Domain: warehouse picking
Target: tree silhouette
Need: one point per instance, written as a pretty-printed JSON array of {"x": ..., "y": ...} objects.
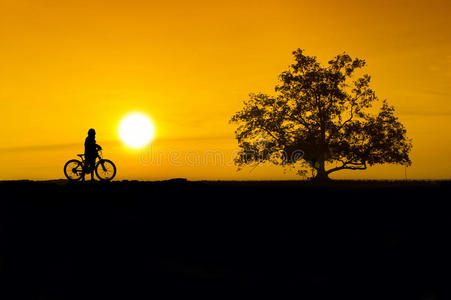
[{"x": 321, "y": 118}]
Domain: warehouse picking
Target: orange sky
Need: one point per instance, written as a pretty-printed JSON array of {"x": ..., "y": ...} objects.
[{"x": 66, "y": 66}]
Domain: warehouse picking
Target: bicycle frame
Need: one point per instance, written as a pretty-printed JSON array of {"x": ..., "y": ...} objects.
[{"x": 83, "y": 161}]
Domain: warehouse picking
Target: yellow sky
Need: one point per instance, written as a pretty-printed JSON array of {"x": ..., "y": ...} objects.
[{"x": 66, "y": 66}]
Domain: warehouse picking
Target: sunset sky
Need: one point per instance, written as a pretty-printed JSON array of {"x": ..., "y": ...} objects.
[{"x": 67, "y": 66}]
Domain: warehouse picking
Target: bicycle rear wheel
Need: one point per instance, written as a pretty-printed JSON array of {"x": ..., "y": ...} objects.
[
  {"x": 73, "y": 170},
  {"x": 105, "y": 170}
]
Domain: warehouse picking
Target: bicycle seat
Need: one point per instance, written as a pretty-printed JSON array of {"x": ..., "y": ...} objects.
[{"x": 81, "y": 155}]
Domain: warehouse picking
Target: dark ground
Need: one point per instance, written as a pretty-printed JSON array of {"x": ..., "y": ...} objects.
[{"x": 283, "y": 240}]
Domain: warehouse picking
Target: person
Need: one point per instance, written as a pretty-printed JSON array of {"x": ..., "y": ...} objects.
[{"x": 91, "y": 149}]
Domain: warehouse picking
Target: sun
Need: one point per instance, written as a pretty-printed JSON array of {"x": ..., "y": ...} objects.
[{"x": 136, "y": 130}]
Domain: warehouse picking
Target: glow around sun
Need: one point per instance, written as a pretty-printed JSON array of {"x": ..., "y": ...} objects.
[{"x": 136, "y": 130}]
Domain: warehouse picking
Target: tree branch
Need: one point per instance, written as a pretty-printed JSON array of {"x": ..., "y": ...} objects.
[
  {"x": 352, "y": 112},
  {"x": 302, "y": 121},
  {"x": 270, "y": 133},
  {"x": 345, "y": 166}
]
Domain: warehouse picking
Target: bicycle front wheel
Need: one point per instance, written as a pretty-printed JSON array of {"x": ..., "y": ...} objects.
[
  {"x": 105, "y": 170},
  {"x": 73, "y": 170}
]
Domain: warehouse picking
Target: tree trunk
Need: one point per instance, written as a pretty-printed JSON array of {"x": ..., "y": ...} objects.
[{"x": 321, "y": 174}]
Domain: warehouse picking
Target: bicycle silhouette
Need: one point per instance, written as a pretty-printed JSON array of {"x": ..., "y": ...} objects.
[{"x": 75, "y": 169}]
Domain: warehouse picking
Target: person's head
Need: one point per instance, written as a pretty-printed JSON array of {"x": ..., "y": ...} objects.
[{"x": 92, "y": 132}]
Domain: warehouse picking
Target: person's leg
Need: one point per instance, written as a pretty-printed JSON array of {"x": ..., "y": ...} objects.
[{"x": 92, "y": 164}]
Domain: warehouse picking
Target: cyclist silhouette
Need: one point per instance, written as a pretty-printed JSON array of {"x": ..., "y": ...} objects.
[
  {"x": 104, "y": 169},
  {"x": 91, "y": 149}
]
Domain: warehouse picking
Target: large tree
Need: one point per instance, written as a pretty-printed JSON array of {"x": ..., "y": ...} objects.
[{"x": 322, "y": 118}]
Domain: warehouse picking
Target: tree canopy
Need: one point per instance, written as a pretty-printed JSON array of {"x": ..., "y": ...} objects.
[{"x": 321, "y": 118}]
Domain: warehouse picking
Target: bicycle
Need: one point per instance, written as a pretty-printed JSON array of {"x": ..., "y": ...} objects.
[{"x": 76, "y": 170}]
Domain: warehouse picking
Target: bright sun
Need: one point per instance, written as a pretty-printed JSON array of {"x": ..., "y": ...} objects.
[{"x": 136, "y": 130}]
